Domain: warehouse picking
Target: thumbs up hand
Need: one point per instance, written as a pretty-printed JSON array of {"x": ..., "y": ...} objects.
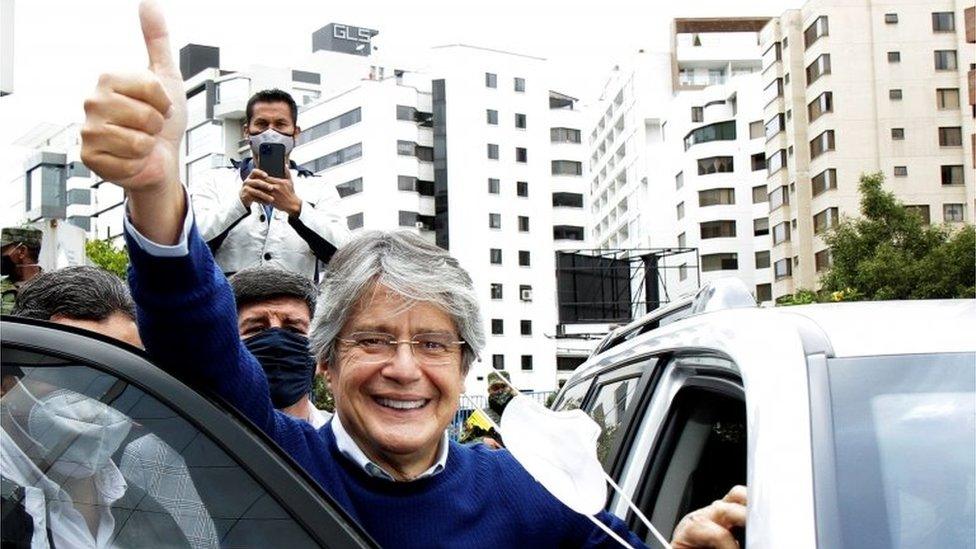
[{"x": 134, "y": 124}]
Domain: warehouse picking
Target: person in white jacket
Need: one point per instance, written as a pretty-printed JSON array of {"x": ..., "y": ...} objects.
[{"x": 249, "y": 218}]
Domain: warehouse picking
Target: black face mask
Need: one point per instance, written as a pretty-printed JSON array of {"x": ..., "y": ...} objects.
[
  {"x": 8, "y": 268},
  {"x": 498, "y": 401},
  {"x": 286, "y": 362}
]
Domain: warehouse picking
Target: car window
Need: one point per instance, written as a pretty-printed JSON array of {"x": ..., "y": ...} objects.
[
  {"x": 572, "y": 397},
  {"x": 608, "y": 407},
  {"x": 89, "y": 459}
]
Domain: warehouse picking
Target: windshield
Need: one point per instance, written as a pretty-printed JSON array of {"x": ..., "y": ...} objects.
[{"x": 904, "y": 450}]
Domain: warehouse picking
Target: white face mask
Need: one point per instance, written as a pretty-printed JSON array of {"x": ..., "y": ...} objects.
[
  {"x": 87, "y": 431},
  {"x": 271, "y": 136}
]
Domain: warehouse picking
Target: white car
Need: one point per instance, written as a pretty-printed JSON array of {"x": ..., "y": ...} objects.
[{"x": 853, "y": 424}]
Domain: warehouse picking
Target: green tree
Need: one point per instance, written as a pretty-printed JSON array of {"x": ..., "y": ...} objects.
[
  {"x": 891, "y": 253},
  {"x": 321, "y": 395},
  {"x": 103, "y": 254}
]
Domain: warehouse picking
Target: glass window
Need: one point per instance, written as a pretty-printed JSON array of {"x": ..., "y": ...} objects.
[
  {"x": 423, "y": 153},
  {"x": 204, "y": 139},
  {"x": 891, "y": 18},
  {"x": 525, "y": 258},
  {"x": 679, "y": 180},
  {"x": 952, "y": 212},
  {"x": 952, "y": 175},
  {"x": 715, "y": 197},
  {"x": 922, "y": 211},
  {"x": 781, "y": 233},
  {"x": 762, "y": 259},
  {"x": 526, "y": 362},
  {"x": 351, "y": 187},
  {"x": 824, "y": 220},
  {"x": 355, "y": 221},
  {"x": 824, "y": 103},
  {"x": 772, "y": 54},
  {"x": 773, "y": 91},
  {"x": 521, "y": 154},
  {"x": 162, "y": 482},
  {"x": 341, "y": 156},
  {"x": 894, "y": 57},
  {"x": 782, "y": 269},
  {"x": 567, "y": 167},
  {"x": 497, "y": 326},
  {"x": 332, "y": 125},
  {"x": 901, "y": 171},
  {"x": 494, "y": 186},
  {"x": 719, "y": 262},
  {"x": 950, "y": 136},
  {"x": 943, "y": 21},
  {"x": 407, "y": 219},
  {"x": 682, "y": 240},
  {"x": 776, "y": 162},
  {"x": 715, "y": 164},
  {"x": 523, "y": 223},
  {"x": 697, "y": 114},
  {"x": 564, "y": 135},
  {"x": 815, "y": 31},
  {"x": 756, "y": 129},
  {"x": 492, "y": 116},
  {"x": 759, "y": 194},
  {"x": 567, "y": 232},
  {"x": 945, "y": 60},
  {"x": 778, "y": 198},
  {"x": 821, "y": 144},
  {"x": 491, "y": 80},
  {"x": 406, "y": 183},
  {"x": 608, "y": 407},
  {"x": 572, "y": 397},
  {"x": 498, "y": 362},
  {"x": 519, "y": 84},
  {"x": 496, "y": 290},
  {"x": 821, "y": 260},
  {"x": 683, "y": 271},
  {"x": 492, "y": 151},
  {"x": 764, "y": 292},
  {"x": 495, "y": 256},
  {"x": 720, "y": 131},
  {"x": 947, "y": 98},
  {"x": 723, "y": 228},
  {"x": 567, "y": 200},
  {"x": 522, "y": 188},
  {"x": 898, "y": 134},
  {"x": 894, "y": 94},
  {"x": 824, "y": 181},
  {"x": 520, "y": 121},
  {"x": 405, "y": 148},
  {"x": 525, "y": 327},
  {"x": 760, "y": 226},
  {"x": 758, "y": 162},
  {"x": 818, "y": 68},
  {"x": 494, "y": 221},
  {"x": 404, "y": 112},
  {"x": 680, "y": 210}
]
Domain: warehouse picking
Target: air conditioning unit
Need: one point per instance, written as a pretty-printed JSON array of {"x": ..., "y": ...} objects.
[
  {"x": 419, "y": 225},
  {"x": 526, "y": 295}
]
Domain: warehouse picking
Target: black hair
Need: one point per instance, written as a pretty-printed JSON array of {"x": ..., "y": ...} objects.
[
  {"x": 262, "y": 283},
  {"x": 81, "y": 292},
  {"x": 273, "y": 95}
]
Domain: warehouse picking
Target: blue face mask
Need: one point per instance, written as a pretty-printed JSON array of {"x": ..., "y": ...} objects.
[{"x": 287, "y": 363}]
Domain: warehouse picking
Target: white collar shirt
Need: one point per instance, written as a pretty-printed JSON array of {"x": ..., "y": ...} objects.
[{"x": 348, "y": 448}]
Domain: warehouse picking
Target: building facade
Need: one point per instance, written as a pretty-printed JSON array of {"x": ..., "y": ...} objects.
[{"x": 858, "y": 87}]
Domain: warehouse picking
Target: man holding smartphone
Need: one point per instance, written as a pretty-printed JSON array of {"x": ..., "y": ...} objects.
[{"x": 265, "y": 210}]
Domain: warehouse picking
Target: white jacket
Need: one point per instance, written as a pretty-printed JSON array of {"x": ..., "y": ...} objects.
[{"x": 243, "y": 238}]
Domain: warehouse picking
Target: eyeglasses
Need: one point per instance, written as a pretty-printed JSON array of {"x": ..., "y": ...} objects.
[{"x": 432, "y": 348}]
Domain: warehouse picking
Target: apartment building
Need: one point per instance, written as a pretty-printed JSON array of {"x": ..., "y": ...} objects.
[
  {"x": 675, "y": 155},
  {"x": 858, "y": 87}
]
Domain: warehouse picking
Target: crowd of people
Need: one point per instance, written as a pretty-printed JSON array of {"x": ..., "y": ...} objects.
[{"x": 225, "y": 271}]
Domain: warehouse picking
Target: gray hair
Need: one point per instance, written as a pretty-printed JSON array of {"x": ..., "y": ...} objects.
[
  {"x": 407, "y": 265},
  {"x": 262, "y": 283},
  {"x": 81, "y": 292}
]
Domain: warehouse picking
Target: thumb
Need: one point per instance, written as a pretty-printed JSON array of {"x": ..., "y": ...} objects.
[{"x": 156, "y": 36}]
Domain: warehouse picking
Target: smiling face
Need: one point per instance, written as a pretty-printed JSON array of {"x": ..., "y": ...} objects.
[{"x": 396, "y": 410}]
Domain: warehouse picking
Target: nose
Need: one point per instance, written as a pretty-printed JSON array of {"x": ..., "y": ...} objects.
[{"x": 403, "y": 366}]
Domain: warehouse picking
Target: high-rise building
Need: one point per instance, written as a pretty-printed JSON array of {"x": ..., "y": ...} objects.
[{"x": 858, "y": 87}]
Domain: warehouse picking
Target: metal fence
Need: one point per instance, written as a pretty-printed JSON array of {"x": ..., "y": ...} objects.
[{"x": 470, "y": 403}]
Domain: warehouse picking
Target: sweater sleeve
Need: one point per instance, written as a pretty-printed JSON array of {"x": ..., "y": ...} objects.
[{"x": 188, "y": 322}]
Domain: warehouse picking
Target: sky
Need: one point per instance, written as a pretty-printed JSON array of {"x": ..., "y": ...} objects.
[{"x": 61, "y": 46}]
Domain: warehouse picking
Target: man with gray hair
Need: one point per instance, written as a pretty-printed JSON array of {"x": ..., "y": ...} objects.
[{"x": 274, "y": 311}]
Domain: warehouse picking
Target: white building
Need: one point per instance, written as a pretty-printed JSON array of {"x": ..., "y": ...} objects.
[{"x": 859, "y": 87}]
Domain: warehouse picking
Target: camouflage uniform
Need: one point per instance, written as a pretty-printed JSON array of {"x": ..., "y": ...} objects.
[{"x": 15, "y": 235}]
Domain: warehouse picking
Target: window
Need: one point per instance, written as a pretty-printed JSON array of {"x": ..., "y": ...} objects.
[
  {"x": 523, "y": 223},
  {"x": 525, "y": 292},
  {"x": 491, "y": 80},
  {"x": 759, "y": 194},
  {"x": 567, "y": 232},
  {"x": 520, "y": 121},
  {"x": 564, "y": 135},
  {"x": 525, "y": 327},
  {"x": 498, "y": 362},
  {"x": 697, "y": 114},
  {"x": 821, "y": 144},
  {"x": 776, "y": 162},
  {"x": 682, "y": 240},
  {"x": 950, "y": 136},
  {"x": 175, "y": 482},
  {"x": 821, "y": 260},
  {"x": 354, "y": 186},
  {"x": 947, "y": 99},
  {"x": 945, "y": 60},
  {"x": 943, "y": 21},
  {"x": 519, "y": 84},
  {"x": 715, "y": 164},
  {"x": 952, "y": 213},
  {"x": 778, "y": 198},
  {"x": 762, "y": 260},
  {"x": 405, "y": 148},
  {"x": 827, "y": 219},
  {"x": 494, "y": 221},
  {"x": 404, "y": 112},
  {"x": 521, "y": 154},
  {"x": 952, "y": 175},
  {"x": 815, "y": 31},
  {"x": 716, "y": 197},
  {"x": 764, "y": 292},
  {"x": 495, "y": 256},
  {"x": 818, "y": 68},
  {"x": 894, "y": 94},
  {"x": 496, "y": 290},
  {"x": 526, "y": 362},
  {"x": 680, "y": 210},
  {"x": 824, "y": 181},
  {"x": 567, "y": 167},
  {"x": 335, "y": 158},
  {"x": 494, "y": 186},
  {"x": 344, "y": 120},
  {"x": 492, "y": 151},
  {"x": 901, "y": 171},
  {"x": 719, "y": 262},
  {"x": 782, "y": 269},
  {"x": 894, "y": 57},
  {"x": 891, "y": 18},
  {"x": 679, "y": 180},
  {"x": 407, "y": 219},
  {"x": 772, "y": 54},
  {"x": 492, "y": 116},
  {"x": 497, "y": 326},
  {"x": 423, "y": 153},
  {"x": 760, "y": 226},
  {"x": 522, "y": 188},
  {"x": 525, "y": 258},
  {"x": 355, "y": 221},
  {"x": 773, "y": 91},
  {"x": 406, "y": 183},
  {"x": 824, "y": 103},
  {"x": 567, "y": 200},
  {"x": 724, "y": 228},
  {"x": 898, "y": 134},
  {"x": 781, "y": 233},
  {"x": 922, "y": 211},
  {"x": 775, "y": 125},
  {"x": 683, "y": 271},
  {"x": 756, "y": 129},
  {"x": 720, "y": 131}
]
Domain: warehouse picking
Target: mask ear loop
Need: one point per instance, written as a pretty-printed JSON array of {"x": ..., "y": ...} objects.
[{"x": 630, "y": 503}]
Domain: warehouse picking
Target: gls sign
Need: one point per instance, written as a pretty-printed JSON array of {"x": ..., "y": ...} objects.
[{"x": 356, "y": 34}]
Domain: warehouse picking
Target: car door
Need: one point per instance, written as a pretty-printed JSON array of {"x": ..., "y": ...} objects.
[{"x": 180, "y": 471}]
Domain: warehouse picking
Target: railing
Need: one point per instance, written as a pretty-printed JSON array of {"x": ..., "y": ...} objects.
[{"x": 470, "y": 403}]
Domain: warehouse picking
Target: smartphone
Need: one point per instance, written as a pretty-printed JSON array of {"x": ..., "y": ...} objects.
[{"x": 271, "y": 159}]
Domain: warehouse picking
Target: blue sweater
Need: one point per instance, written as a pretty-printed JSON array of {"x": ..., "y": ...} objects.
[{"x": 483, "y": 498}]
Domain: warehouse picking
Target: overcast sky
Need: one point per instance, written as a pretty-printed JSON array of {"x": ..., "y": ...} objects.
[{"x": 61, "y": 46}]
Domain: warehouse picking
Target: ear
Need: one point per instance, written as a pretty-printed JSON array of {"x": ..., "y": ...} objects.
[{"x": 298, "y": 131}]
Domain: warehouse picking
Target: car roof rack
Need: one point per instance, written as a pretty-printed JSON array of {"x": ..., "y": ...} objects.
[{"x": 722, "y": 294}]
